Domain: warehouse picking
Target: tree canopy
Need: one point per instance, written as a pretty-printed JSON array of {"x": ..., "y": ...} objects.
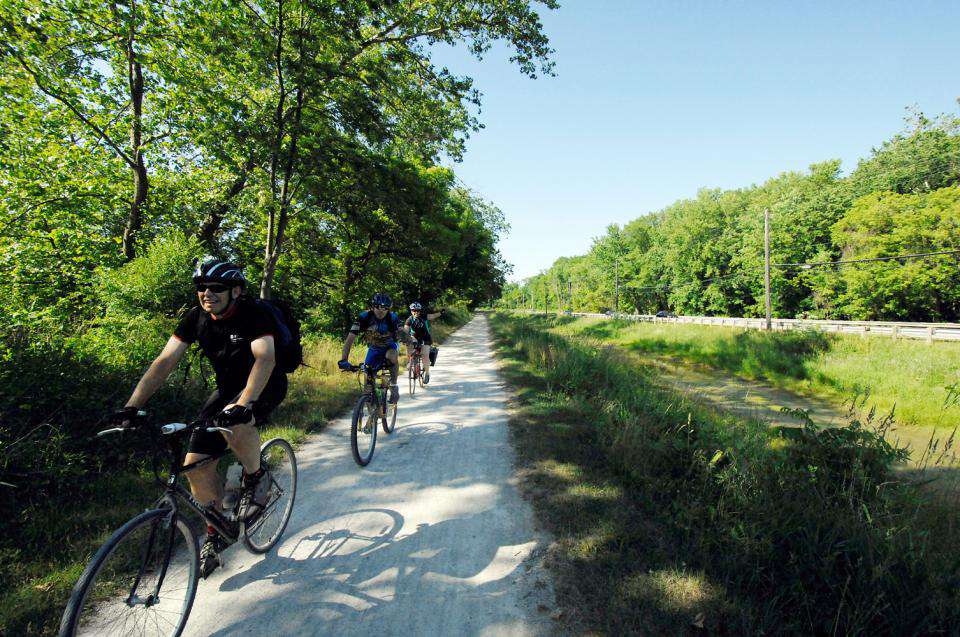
[{"x": 705, "y": 255}]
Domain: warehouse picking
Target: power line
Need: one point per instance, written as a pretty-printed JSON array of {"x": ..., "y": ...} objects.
[{"x": 918, "y": 255}]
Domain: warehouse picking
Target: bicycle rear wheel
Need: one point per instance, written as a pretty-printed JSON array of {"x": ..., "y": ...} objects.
[
  {"x": 363, "y": 429},
  {"x": 260, "y": 535},
  {"x": 141, "y": 582}
]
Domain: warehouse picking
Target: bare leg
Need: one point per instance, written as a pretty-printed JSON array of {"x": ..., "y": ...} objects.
[
  {"x": 245, "y": 443},
  {"x": 394, "y": 360},
  {"x": 426, "y": 359},
  {"x": 205, "y": 482}
]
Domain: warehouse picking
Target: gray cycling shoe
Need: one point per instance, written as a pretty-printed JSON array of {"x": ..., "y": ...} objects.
[
  {"x": 210, "y": 554},
  {"x": 256, "y": 495},
  {"x": 426, "y": 379},
  {"x": 394, "y": 394}
]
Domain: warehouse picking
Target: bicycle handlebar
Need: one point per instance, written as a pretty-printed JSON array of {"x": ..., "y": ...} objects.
[{"x": 168, "y": 429}]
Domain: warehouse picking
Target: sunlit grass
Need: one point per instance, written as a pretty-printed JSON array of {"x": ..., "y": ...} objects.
[{"x": 912, "y": 377}]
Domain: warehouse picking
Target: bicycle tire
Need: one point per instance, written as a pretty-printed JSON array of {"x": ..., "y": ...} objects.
[
  {"x": 390, "y": 417},
  {"x": 74, "y": 620},
  {"x": 360, "y": 415},
  {"x": 281, "y": 463},
  {"x": 412, "y": 377}
]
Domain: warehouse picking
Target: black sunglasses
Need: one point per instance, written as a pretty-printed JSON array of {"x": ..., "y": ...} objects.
[
  {"x": 381, "y": 307},
  {"x": 216, "y": 288}
]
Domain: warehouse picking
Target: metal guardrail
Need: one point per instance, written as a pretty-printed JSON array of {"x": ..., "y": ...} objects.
[{"x": 921, "y": 331}]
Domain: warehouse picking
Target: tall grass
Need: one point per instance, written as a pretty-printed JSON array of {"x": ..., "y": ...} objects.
[
  {"x": 919, "y": 381},
  {"x": 807, "y": 534}
]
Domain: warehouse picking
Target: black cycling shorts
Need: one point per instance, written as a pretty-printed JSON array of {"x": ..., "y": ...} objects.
[
  {"x": 213, "y": 442},
  {"x": 424, "y": 339}
]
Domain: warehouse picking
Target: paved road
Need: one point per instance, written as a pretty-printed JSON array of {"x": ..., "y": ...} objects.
[{"x": 431, "y": 538}]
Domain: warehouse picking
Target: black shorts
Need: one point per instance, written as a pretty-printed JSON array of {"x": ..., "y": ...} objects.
[
  {"x": 213, "y": 442},
  {"x": 424, "y": 339}
]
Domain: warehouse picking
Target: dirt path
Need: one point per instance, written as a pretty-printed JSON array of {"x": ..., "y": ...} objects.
[
  {"x": 758, "y": 401},
  {"x": 432, "y": 538}
]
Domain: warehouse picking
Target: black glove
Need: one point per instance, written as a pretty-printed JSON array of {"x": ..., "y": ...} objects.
[
  {"x": 126, "y": 417},
  {"x": 236, "y": 415},
  {"x": 345, "y": 365},
  {"x": 443, "y": 311}
]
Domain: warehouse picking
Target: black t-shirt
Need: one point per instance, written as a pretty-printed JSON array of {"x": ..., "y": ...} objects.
[
  {"x": 420, "y": 327},
  {"x": 226, "y": 341}
]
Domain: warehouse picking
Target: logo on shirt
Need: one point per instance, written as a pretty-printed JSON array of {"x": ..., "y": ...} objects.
[{"x": 235, "y": 339}]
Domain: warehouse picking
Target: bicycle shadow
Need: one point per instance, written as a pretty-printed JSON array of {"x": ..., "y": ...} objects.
[{"x": 441, "y": 564}]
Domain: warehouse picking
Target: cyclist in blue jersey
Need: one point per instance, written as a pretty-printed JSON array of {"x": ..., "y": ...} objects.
[{"x": 379, "y": 327}]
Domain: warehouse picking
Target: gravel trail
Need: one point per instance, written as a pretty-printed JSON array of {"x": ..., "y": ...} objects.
[{"x": 431, "y": 538}]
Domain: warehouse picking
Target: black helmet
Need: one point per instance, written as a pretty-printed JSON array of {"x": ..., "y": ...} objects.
[
  {"x": 381, "y": 299},
  {"x": 215, "y": 270}
]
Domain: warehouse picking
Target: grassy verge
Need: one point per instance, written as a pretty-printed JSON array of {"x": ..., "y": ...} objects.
[
  {"x": 920, "y": 381},
  {"x": 672, "y": 519},
  {"x": 56, "y": 543}
]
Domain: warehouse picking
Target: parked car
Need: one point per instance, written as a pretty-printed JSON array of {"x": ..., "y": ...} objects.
[{"x": 666, "y": 314}]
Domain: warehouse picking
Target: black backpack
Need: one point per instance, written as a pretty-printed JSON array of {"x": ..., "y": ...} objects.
[{"x": 288, "y": 343}]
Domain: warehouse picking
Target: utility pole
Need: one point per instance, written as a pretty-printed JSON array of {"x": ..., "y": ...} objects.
[
  {"x": 570, "y": 293},
  {"x": 766, "y": 264}
]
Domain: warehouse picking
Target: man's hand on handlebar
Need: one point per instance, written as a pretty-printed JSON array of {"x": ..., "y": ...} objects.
[
  {"x": 126, "y": 417},
  {"x": 233, "y": 415},
  {"x": 345, "y": 365}
]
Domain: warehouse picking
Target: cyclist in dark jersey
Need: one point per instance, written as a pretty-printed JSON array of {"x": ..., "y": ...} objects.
[
  {"x": 379, "y": 327},
  {"x": 237, "y": 336},
  {"x": 417, "y": 326}
]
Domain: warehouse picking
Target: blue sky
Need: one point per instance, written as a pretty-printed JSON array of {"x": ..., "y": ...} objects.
[{"x": 654, "y": 100}]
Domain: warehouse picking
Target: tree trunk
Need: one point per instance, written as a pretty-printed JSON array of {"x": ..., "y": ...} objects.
[
  {"x": 210, "y": 226},
  {"x": 141, "y": 182}
]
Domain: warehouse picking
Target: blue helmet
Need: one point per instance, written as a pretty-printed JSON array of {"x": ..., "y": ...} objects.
[{"x": 381, "y": 299}]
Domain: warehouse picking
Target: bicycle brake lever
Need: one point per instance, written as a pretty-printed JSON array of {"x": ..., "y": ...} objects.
[{"x": 115, "y": 430}]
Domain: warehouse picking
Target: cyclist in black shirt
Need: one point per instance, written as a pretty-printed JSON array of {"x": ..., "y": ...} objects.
[
  {"x": 417, "y": 326},
  {"x": 237, "y": 336}
]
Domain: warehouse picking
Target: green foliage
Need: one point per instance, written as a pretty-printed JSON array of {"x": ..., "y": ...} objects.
[
  {"x": 887, "y": 224},
  {"x": 705, "y": 255},
  {"x": 158, "y": 283}
]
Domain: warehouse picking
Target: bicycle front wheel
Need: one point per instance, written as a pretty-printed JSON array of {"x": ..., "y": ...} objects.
[
  {"x": 141, "y": 582},
  {"x": 363, "y": 429},
  {"x": 390, "y": 419},
  {"x": 261, "y": 534},
  {"x": 412, "y": 377}
]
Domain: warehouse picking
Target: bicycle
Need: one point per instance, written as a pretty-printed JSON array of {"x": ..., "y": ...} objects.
[
  {"x": 415, "y": 369},
  {"x": 372, "y": 406},
  {"x": 143, "y": 580}
]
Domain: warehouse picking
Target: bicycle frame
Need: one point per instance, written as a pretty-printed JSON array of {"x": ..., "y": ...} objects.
[
  {"x": 172, "y": 489},
  {"x": 414, "y": 357},
  {"x": 374, "y": 381}
]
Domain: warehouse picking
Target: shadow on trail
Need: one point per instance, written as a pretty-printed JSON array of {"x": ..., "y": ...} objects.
[{"x": 429, "y": 539}]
